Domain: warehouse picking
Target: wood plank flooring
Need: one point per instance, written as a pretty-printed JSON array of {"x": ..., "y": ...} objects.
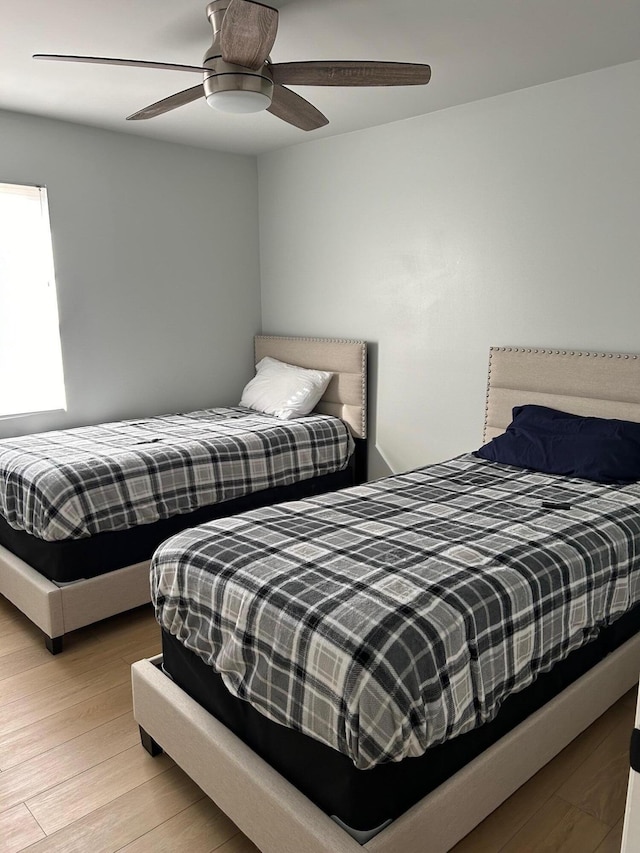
[{"x": 74, "y": 778}]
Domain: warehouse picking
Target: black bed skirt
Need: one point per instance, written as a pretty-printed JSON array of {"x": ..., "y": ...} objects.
[
  {"x": 72, "y": 559},
  {"x": 365, "y": 799}
]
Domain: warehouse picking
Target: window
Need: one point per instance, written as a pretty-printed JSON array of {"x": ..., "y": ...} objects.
[{"x": 31, "y": 377}]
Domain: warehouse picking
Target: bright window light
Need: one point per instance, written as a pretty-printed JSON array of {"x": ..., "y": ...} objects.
[{"x": 31, "y": 376}]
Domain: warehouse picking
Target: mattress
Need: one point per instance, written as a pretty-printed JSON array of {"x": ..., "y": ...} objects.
[
  {"x": 72, "y": 484},
  {"x": 387, "y": 619},
  {"x": 364, "y": 800},
  {"x": 71, "y": 560}
]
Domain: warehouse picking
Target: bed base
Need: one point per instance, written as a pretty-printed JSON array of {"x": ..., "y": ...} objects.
[
  {"x": 280, "y": 819},
  {"x": 56, "y": 610}
]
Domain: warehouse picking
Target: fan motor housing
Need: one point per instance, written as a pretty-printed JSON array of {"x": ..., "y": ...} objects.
[
  {"x": 215, "y": 14},
  {"x": 225, "y": 77}
]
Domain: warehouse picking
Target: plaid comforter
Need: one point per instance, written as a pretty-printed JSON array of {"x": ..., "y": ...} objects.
[
  {"x": 69, "y": 484},
  {"x": 390, "y": 617}
]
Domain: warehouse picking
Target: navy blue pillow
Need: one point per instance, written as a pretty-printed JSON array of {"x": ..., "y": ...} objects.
[{"x": 605, "y": 450}]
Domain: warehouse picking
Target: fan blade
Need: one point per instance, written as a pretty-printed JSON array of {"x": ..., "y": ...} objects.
[
  {"x": 351, "y": 73},
  {"x": 295, "y": 110},
  {"x": 105, "y": 60},
  {"x": 247, "y": 34},
  {"x": 170, "y": 103}
]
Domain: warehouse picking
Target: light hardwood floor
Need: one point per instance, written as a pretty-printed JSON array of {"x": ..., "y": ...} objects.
[{"x": 73, "y": 776}]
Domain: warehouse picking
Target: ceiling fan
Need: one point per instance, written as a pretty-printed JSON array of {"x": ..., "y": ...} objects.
[{"x": 239, "y": 77}]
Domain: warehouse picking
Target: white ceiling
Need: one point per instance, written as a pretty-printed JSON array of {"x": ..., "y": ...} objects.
[{"x": 476, "y": 48}]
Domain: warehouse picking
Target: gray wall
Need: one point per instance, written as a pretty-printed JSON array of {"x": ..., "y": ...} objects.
[
  {"x": 512, "y": 220},
  {"x": 157, "y": 267}
]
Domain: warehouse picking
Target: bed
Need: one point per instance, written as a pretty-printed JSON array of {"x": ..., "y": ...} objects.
[
  {"x": 282, "y": 811},
  {"x": 86, "y": 572}
]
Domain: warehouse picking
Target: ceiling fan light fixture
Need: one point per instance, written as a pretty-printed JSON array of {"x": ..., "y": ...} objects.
[
  {"x": 240, "y": 78},
  {"x": 238, "y": 101},
  {"x": 231, "y": 91}
]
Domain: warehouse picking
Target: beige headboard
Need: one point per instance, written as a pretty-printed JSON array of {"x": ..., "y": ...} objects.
[
  {"x": 346, "y": 395},
  {"x": 605, "y": 385}
]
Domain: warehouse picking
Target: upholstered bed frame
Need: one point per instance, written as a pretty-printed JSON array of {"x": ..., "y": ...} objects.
[
  {"x": 274, "y": 814},
  {"x": 605, "y": 385},
  {"x": 60, "y": 609}
]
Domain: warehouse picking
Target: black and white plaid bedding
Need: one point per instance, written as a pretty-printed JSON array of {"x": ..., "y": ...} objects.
[
  {"x": 387, "y": 618},
  {"x": 69, "y": 484}
]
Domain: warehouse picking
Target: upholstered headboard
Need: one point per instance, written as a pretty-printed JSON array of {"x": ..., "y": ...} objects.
[
  {"x": 346, "y": 395},
  {"x": 605, "y": 385}
]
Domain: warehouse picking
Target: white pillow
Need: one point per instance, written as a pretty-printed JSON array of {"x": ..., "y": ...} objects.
[{"x": 284, "y": 390}]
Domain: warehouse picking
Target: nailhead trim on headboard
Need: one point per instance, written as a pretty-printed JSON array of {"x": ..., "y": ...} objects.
[
  {"x": 363, "y": 367},
  {"x": 542, "y": 351}
]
